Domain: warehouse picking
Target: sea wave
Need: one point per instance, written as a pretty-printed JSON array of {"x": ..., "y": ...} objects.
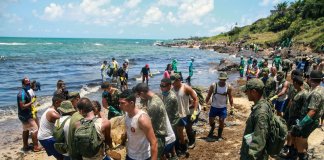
[
  {"x": 12, "y": 44},
  {"x": 98, "y": 44},
  {"x": 43, "y": 102}
]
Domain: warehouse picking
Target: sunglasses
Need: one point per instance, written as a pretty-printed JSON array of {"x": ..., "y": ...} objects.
[{"x": 163, "y": 86}]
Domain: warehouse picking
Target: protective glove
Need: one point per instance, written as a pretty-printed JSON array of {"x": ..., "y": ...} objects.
[
  {"x": 194, "y": 116},
  {"x": 296, "y": 130},
  {"x": 33, "y": 111},
  {"x": 232, "y": 111},
  {"x": 273, "y": 98},
  {"x": 33, "y": 100}
]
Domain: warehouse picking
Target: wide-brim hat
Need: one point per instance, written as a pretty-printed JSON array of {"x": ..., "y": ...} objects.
[
  {"x": 66, "y": 107},
  {"x": 223, "y": 76},
  {"x": 72, "y": 95},
  {"x": 175, "y": 77}
]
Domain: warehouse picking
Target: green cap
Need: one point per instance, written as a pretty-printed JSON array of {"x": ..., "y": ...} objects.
[
  {"x": 222, "y": 75},
  {"x": 254, "y": 83},
  {"x": 73, "y": 95},
  {"x": 174, "y": 77},
  {"x": 66, "y": 107},
  {"x": 265, "y": 70}
]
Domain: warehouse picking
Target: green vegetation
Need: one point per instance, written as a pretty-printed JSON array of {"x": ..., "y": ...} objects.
[{"x": 301, "y": 21}]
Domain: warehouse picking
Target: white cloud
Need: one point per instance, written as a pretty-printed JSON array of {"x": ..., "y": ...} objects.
[
  {"x": 132, "y": 3},
  {"x": 53, "y": 11},
  {"x": 152, "y": 15},
  {"x": 12, "y": 18},
  {"x": 171, "y": 18},
  {"x": 267, "y": 2},
  {"x": 93, "y": 7},
  {"x": 192, "y": 10},
  {"x": 170, "y": 3},
  {"x": 219, "y": 29}
]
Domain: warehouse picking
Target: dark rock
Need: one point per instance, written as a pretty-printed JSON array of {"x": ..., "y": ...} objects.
[{"x": 227, "y": 65}]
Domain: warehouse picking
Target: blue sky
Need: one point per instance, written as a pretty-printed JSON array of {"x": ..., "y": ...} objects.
[{"x": 148, "y": 19}]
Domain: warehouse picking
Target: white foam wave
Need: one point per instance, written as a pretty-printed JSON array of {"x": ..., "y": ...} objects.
[
  {"x": 85, "y": 90},
  {"x": 13, "y": 44},
  {"x": 98, "y": 44}
]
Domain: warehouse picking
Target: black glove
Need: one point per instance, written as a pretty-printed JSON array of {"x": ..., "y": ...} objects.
[{"x": 296, "y": 131}]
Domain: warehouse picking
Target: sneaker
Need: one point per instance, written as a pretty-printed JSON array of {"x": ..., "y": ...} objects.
[
  {"x": 284, "y": 152},
  {"x": 210, "y": 139},
  {"x": 219, "y": 139},
  {"x": 191, "y": 146}
]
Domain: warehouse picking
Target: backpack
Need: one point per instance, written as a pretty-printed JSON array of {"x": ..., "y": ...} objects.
[
  {"x": 60, "y": 145},
  {"x": 277, "y": 133},
  {"x": 86, "y": 139},
  {"x": 199, "y": 94}
]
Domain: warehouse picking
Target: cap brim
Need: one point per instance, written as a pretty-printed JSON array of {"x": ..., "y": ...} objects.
[
  {"x": 243, "y": 88},
  {"x": 66, "y": 110},
  {"x": 223, "y": 78}
]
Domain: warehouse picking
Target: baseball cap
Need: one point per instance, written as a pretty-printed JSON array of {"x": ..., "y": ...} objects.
[
  {"x": 174, "y": 77},
  {"x": 316, "y": 75},
  {"x": 66, "y": 107},
  {"x": 265, "y": 70},
  {"x": 254, "y": 83},
  {"x": 222, "y": 75}
]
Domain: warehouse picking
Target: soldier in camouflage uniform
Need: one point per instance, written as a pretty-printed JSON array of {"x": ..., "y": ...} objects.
[
  {"x": 157, "y": 113},
  {"x": 258, "y": 123},
  {"x": 294, "y": 112},
  {"x": 310, "y": 114},
  {"x": 110, "y": 100},
  {"x": 171, "y": 106},
  {"x": 269, "y": 84},
  {"x": 170, "y": 102}
]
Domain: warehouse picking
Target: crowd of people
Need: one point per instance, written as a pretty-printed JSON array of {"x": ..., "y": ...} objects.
[
  {"x": 75, "y": 127},
  {"x": 299, "y": 102}
]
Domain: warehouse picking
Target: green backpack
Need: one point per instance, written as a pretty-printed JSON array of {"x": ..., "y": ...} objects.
[
  {"x": 86, "y": 139},
  {"x": 60, "y": 145},
  {"x": 277, "y": 133}
]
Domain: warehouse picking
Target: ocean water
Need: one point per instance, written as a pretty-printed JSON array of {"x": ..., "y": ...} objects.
[{"x": 77, "y": 61}]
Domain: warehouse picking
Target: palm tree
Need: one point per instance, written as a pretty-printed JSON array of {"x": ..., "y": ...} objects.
[{"x": 281, "y": 8}]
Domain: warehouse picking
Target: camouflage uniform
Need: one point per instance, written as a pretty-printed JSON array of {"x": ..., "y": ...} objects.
[
  {"x": 315, "y": 101},
  {"x": 171, "y": 107},
  {"x": 257, "y": 126},
  {"x": 297, "y": 104},
  {"x": 157, "y": 113},
  {"x": 269, "y": 88},
  {"x": 113, "y": 102}
]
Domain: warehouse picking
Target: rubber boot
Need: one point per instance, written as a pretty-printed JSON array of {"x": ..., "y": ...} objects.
[
  {"x": 211, "y": 131},
  {"x": 303, "y": 156},
  {"x": 183, "y": 150},
  {"x": 220, "y": 132},
  {"x": 192, "y": 139}
]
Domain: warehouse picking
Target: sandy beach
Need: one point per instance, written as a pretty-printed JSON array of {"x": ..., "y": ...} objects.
[{"x": 226, "y": 149}]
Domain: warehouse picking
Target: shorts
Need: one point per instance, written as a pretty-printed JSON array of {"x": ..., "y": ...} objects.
[
  {"x": 183, "y": 122},
  {"x": 30, "y": 125},
  {"x": 308, "y": 129},
  {"x": 168, "y": 148},
  {"x": 280, "y": 105},
  {"x": 48, "y": 144},
  {"x": 220, "y": 112}
]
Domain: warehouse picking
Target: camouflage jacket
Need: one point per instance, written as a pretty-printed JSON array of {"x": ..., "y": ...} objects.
[
  {"x": 157, "y": 113},
  {"x": 297, "y": 104},
  {"x": 171, "y": 107},
  {"x": 315, "y": 100},
  {"x": 257, "y": 125}
]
